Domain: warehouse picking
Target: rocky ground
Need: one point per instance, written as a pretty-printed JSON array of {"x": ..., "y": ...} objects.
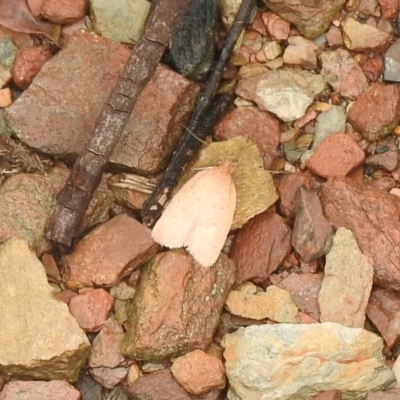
[{"x": 304, "y": 301}]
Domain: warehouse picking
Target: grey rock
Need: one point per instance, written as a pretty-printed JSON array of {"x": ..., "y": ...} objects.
[
  {"x": 297, "y": 362},
  {"x": 8, "y": 51},
  {"x": 391, "y": 71},
  {"x": 40, "y": 338},
  {"x": 350, "y": 273}
]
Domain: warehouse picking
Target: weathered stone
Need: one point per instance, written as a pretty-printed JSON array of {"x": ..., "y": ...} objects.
[
  {"x": 303, "y": 290},
  {"x": 109, "y": 377},
  {"x": 277, "y": 28},
  {"x": 169, "y": 283},
  {"x": 334, "y": 37},
  {"x": 343, "y": 73},
  {"x": 385, "y": 155},
  {"x": 311, "y": 18},
  {"x": 63, "y": 11},
  {"x": 350, "y": 273},
  {"x": 312, "y": 233},
  {"x": 373, "y": 67},
  {"x": 109, "y": 253},
  {"x": 374, "y": 218},
  {"x": 389, "y": 8},
  {"x": 337, "y": 155},
  {"x": 43, "y": 339},
  {"x": 260, "y": 246},
  {"x": 274, "y": 304},
  {"x": 301, "y": 52},
  {"x": 297, "y": 362},
  {"x": 362, "y": 37},
  {"x": 39, "y": 390},
  {"x": 383, "y": 311},
  {"x": 260, "y": 126},
  {"x": 198, "y": 372},
  {"x": 60, "y": 124},
  {"x": 330, "y": 395},
  {"x": 377, "y": 111},
  {"x": 287, "y": 93},
  {"x": 392, "y": 62}
]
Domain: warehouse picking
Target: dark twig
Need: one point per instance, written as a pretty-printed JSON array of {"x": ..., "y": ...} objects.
[
  {"x": 188, "y": 145},
  {"x": 87, "y": 171}
]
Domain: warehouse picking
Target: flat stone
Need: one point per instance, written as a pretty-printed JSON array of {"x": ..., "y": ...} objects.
[
  {"x": 109, "y": 253},
  {"x": 91, "y": 308},
  {"x": 343, "y": 73},
  {"x": 312, "y": 233},
  {"x": 311, "y": 18},
  {"x": 198, "y": 372},
  {"x": 301, "y": 51},
  {"x": 59, "y": 119},
  {"x": 384, "y": 312},
  {"x": 45, "y": 341},
  {"x": 113, "y": 19},
  {"x": 303, "y": 290},
  {"x": 336, "y": 156},
  {"x": 373, "y": 217},
  {"x": 392, "y": 62},
  {"x": 287, "y": 93},
  {"x": 39, "y": 390},
  {"x": 275, "y": 362},
  {"x": 260, "y": 246},
  {"x": 109, "y": 377},
  {"x": 377, "y": 111},
  {"x": 106, "y": 346},
  {"x": 27, "y": 203},
  {"x": 260, "y": 126},
  {"x": 350, "y": 273},
  {"x": 364, "y": 37},
  {"x": 169, "y": 283},
  {"x": 385, "y": 156},
  {"x": 274, "y": 304},
  {"x": 63, "y": 12}
]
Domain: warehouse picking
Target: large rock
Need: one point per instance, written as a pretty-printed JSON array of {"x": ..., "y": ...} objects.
[
  {"x": 297, "y": 362},
  {"x": 40, "y": 338}
]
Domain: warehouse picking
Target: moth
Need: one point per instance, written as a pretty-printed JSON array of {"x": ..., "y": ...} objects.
[{"x": 200, "y": 215}]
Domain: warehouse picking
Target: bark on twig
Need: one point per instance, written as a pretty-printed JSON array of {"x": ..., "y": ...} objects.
[
  {"x": 86, "y": 174},
  {"x": 188, "y": 145}
]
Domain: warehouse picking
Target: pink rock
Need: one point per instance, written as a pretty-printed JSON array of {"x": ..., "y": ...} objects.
[
  {"x": 28, "y": 62},
  {"x": 385, "y": 155},
  {"x": 65, "y": 295},
  {"x": 258, "y": 25},
  {"x": 63, "y": 11},
  {"x": 110, "y": 252},
  {"x": 51, "y": 267},
  {"x": 377, "y": 111},
  {"x": 373, "y": 67},
  {"x": 109, "y": 377},
  {"x": 260, "y": 126},
  {"x": 301, "y": 51},
  {"x": 277, "y": 27},
  {"x": 389, "y": 8},
  {"x": 369, "y": 7},
  {"x": 384, "y": 312},
  {"x": 106, "y": 346},
  {"x": 35, "y": 6},
  {"x": 39, "y": 390},
  {"x": 334, "y": 37},
  {"x": 331, "y": 395},
  {"x": 198, "y": 372},
  {"x": 336, "y": 156},
  {"x": 312, "y": 233},
  {"x": 392, "y": 394},
  {"x": 91, "y": 309},
  {"x": 260, "y": 246}
]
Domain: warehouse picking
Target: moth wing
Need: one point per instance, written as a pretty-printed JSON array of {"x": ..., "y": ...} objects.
[
  {"x": 178, "y": 218},
  {"x": 217, "y": 198}
]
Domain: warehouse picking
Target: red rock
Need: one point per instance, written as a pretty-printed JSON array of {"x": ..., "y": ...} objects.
[
  {"x": 35, "y": 6},
  {"x": 334, "y": 37},
  {"x": 310, "y": 115},
  {"x": 385, "y": 156},
  {"x": 39, "y": 390},
  {"x": 331, "y": 395},
  {"x": 28, "y": 62},
  {"x": 392, "y": 394},
  {"x": 258, "y": 25},
  {"x": 387, "y": 183},
  {"x": 312, "y": 233},
  {"x": 110, "y": 252},
  {"x": 260, "y": 246},
  {"x": 109, "y": 377},
  {"x": 336, "y": 156},
  {"x": 389, "y": 8},
  {"x": 162, "y": 386},
  {"x": 169, "y": 283},
  {"x": 288, "y": 188},
  {"x": 65, "y": 295},
  {"x": 63, "y": 12},
  {"x": 376, "y": 112},
  {"x": 277, "y": 27},
  {"x": 198, "y": 372},
  {"x": 91, "y": 309},
  {"x": 343, "y": 73},
  {"x": 50, "y": 266},
  {"x": 5, "y": 97},
  {"x": 304, "y": 289},
  {"x": 373, "y": 67},
  {"x": 374, "y": 218},
  {"x": 384, "y": 312},
  {"x": 260, "y": 126}
]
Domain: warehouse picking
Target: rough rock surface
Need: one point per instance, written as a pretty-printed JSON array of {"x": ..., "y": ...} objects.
[
  {"x": 44, "y": 340},
  {"x": 177, "y": 306},
  {"x": 109, "y": 253},
  {"x": 350, "y": 273},
  {"x": 297, "y": 362},
  {"x": 374, "y": 218}
]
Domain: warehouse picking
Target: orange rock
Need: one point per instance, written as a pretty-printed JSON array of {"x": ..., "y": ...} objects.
[{"x": 5, "y": 97}]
